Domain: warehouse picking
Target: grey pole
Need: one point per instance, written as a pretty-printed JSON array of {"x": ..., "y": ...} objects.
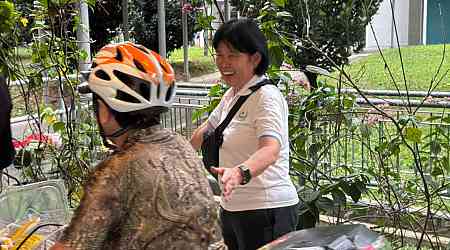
[
  {"x": 187, "y": 77},
  {"x": 83, "y": 37},
  {"x": 162, "y": 28},
  {"x": 205, "y": 42},
  {"x": 205, "y": 36},
  {"x": 393, "y": 23},
  {"x": 227, "y": 10},
  {"x": 126, "y": 34}
]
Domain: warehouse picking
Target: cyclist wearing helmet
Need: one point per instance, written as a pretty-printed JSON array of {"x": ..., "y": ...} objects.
[{"x": 151, "y": 193}]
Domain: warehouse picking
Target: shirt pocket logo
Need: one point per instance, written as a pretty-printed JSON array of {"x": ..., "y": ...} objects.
[{"x": 242, "y": 116}]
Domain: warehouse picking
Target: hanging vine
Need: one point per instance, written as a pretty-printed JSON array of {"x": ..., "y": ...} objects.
[{"x": 57, "y": 138}]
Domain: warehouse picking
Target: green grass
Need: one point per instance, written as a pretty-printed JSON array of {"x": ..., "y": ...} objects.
[
  {"x": 420, "y": 65},
  {"x": 198, "y": 63},
  {"x": 195, "y": 53}
]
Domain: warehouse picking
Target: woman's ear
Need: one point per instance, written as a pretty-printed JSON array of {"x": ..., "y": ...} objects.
[{"x": 256, "y": 59}]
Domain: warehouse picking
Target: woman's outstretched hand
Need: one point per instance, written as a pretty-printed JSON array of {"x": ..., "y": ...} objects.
[{"x": 229, "y": 178}]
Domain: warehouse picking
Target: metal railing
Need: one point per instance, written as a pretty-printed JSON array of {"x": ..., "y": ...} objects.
[
  {"x": 352, "y": 147},
  {"x": 179, "y": 117}
]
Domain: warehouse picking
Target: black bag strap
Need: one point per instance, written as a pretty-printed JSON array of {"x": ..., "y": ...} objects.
[{"x": 219, "y": 130}]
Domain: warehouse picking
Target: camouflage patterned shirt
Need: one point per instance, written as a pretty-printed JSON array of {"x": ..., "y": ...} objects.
[{"x": 151, "y": 195}]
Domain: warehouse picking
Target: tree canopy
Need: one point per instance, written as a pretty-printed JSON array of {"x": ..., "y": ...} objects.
[
  {"x": 322, "y": 33},
  {"x": 143, "y": 22}
]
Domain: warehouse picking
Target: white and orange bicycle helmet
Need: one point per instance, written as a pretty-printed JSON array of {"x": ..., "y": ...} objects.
[{"x": 130, "y": 77}]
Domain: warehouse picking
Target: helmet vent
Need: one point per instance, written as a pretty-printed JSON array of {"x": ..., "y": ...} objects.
[
  {"x": 158, "y": 90},
  {"x": 119, "y": 56},
  {"x": 102, "y": 75},
  {"x": 169, "y": 92},
  {"x": 139, "y": 66},
  {"x": 126, "y": 97},
  {"x": 144, "y": 90},
  {"x": 140, "y": 86}
]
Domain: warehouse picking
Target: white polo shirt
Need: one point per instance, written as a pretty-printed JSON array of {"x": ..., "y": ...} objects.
[{"x": 264, "y": 113}]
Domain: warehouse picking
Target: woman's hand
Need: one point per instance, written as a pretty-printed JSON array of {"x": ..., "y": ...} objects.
[
  {"x": 267, "y": 153},
  {"x": 230, "y": 178}
]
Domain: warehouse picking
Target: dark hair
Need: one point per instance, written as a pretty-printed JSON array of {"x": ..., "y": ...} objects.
[
  {"x": 245, "y": 36},
  {"x": 139, "y": 119}
]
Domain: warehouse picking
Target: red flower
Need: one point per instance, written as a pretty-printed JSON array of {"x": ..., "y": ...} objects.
[
  {"x": 187, "y": 8},
  {"x": 31, "y": 138}
]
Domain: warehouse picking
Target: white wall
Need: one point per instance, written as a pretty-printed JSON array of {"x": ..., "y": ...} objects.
[{"x": 383, "y": 25}]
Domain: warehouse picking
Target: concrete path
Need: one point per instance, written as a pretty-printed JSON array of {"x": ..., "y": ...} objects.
[{"x": 204, "y": 79}]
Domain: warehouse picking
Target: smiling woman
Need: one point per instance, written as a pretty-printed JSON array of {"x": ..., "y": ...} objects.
[{"x": 259, "y": 201}]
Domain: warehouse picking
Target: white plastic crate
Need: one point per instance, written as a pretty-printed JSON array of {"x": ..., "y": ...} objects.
[{"x": 45, "y": 200}]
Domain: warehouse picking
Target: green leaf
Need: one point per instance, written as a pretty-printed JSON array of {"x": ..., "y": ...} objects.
[
  {"x": 403, "y": 120},
  {"x": 283, "y": 14},
  {"x": 215, "y": 91},
  {"x": 204, "y": 22},
  {"x": 279, "y": 3},
  {"x": 276, "y": 54},
  {"x": 437, "y": 170},
  {"x": 83, "y": 54},
  {"x": 284, "y": 40},
  {"x": 91, "y": 3},
  {"x": 339, "y": 197},
  {"x": 382, "y": 147},
  {"x": 325, "y": 203},
  {"x": 348, "y": 102},
  {"x": 312, "y": 197},
  {"x": 356, "y": 190},
  {"x": 394, "y": 147},
  {"x": 58, "y": 126},
  {"x": 435, "y": 147},
  {"x": 413, "y": 134},
  {"x": 353, "y": 188},
  {"x": 445, "y": 163}
]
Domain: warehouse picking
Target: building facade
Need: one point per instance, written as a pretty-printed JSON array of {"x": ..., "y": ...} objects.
[{"x": 416, "y": 22}]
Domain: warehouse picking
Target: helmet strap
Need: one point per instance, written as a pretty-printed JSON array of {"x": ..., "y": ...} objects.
[{"x": 119, "y": 132}]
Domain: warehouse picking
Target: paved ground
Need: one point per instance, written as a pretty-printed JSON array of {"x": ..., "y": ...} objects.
[{"x": 205, "y": 79}]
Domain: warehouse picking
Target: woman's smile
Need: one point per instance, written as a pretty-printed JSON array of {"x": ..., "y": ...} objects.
[{"x": 227, "y": 72}]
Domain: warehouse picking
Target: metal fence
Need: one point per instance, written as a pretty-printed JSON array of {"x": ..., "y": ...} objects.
[
  {"x": 352, "y": 148},
  {"x": 179, "y": 117},
  {"x": 355, "y": 145}
]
